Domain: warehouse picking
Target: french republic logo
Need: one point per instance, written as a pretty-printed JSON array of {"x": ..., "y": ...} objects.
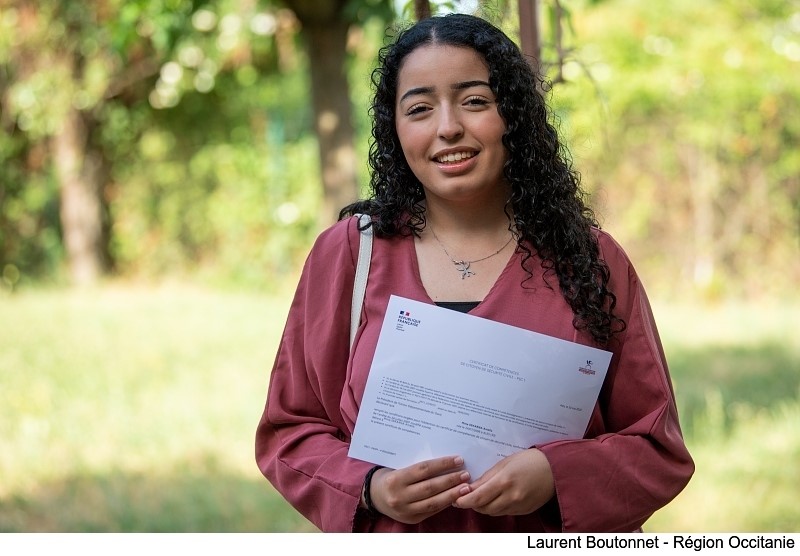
[
  {"x": 405, "y": 319},
  {"x": 587, "y": 370}
]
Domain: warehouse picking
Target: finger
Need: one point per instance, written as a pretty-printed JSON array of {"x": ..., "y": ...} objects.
[
  {"x": 398, "y": 493},
  {"x": 485, "y": 478},
  {"x": 430, "y": 468},
  {"x": 478, "y": 496},
  {"x": 402, "y": 505},
  {"x": 436, "y": 485},
  {"x": 434, "y": 504}
]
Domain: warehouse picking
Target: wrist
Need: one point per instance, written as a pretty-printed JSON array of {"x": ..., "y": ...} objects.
[{"x": 366, "y": 492}]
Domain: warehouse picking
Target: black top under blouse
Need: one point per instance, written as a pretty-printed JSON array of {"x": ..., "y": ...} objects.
[{"x": 460, "y": 306}]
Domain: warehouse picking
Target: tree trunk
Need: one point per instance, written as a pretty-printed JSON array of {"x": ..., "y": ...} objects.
[
  {"x": 529, "y": 34},
  {"x": 325, "y": 30},
  {"x": 79, "y": 172},
  {"x": 422, "y": 9}
]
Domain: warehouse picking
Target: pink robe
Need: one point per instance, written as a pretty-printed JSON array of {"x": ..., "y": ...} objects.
[{"x": 631, "y": 461}]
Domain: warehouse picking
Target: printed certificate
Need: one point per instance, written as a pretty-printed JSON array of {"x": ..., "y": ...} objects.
[{"x": 448, "y": 383}]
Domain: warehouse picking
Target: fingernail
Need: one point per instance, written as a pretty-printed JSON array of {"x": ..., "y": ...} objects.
[
  {"x": 458, "y": 460},
  {"x": 464, "y": 477},
  {"x": 464, "y": 490}
]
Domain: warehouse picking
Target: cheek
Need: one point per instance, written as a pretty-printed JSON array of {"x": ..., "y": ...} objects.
[
  {"x": 499, "y": 128},
  {"x": 409, "y": 142},
  {"x": 500, "y": 132}
]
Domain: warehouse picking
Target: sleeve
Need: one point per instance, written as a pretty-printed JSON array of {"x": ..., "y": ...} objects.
[
  {"x": 301, "y": 439},
  {"x": 633, "y": 460}
]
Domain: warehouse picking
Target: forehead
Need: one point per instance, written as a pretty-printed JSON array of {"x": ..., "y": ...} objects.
[{"x": 434, "y": 64}]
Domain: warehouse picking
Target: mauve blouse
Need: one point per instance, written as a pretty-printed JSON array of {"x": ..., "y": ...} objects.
[{"x": 631, "y": 461}]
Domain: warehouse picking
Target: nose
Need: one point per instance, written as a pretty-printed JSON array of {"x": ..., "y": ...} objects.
[{"x": 449, "y": 124}]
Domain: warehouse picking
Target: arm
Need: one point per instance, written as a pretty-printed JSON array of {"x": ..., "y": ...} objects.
[
  {"x": 301, "y": 446},
  {"x": 633, "y": 459}
]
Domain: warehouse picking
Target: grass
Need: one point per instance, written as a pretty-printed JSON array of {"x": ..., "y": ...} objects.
[
  {"x": 736, "y": 370},
  {"x": 131, "y": 410},
  {"x": 135, "y": 410}
]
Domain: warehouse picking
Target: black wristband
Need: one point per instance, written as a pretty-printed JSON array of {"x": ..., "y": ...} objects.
[{"x": 367, "y": 495}]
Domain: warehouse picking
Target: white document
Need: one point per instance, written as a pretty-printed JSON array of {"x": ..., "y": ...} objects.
[{"x": 448, "y": 383}]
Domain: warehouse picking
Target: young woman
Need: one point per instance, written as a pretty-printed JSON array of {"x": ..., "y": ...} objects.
[{"x": 474, "y": 207}]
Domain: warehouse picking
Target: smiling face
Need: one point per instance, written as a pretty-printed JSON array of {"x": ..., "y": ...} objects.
[{"x": 449, "y": 127}]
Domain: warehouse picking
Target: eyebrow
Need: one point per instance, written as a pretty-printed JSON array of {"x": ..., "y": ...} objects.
[{"x": 460, "y": 86}]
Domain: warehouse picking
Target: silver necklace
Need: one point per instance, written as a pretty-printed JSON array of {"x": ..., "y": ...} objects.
[{"x": 463, "y": 266}]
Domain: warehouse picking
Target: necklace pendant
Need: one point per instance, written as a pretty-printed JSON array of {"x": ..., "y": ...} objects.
[{"x": 463, "y": 268}]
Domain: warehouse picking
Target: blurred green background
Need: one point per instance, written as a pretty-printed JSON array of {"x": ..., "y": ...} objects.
[{"x": 165, "y": 165}]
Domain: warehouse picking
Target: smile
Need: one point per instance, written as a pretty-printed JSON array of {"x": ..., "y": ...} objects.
[{"x": 454, "y": 157}]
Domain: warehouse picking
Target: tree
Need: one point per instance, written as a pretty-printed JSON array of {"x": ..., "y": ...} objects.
[
  {"x": 35, "y": 68},
  {"x": 65, "y": 61},
  {"x": 325, "y": 27},
  {"x": 530, "y": 42},
  {"x": 422, "y": 9},
  {"x": 87, "y": 90},
  {"x": 84, "y": 85},
  {"x": 692, "y": 155}
]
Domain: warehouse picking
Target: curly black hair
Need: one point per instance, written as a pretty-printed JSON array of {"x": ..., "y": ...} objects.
[{"x": 546, "y": 203}]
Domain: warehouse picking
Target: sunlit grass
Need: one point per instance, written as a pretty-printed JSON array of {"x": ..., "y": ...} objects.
[
  {"x": 746, "y": 355},
  {"x": 736, "y": 369},
  {"x": 747, "y": 477},
  {"x": 132, "y": 409}
]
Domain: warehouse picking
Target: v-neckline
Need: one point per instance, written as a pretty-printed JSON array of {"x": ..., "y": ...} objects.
[{"x": 426, "y": 296}]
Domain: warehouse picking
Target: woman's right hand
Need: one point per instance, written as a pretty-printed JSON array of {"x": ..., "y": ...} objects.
[{"x": 416, "y": 492}]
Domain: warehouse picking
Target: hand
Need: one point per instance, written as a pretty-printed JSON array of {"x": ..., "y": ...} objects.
[
  {"x": 516, "y": 485},
  {"x": 419, "y": 491}
]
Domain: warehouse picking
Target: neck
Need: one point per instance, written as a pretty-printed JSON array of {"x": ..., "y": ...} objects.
[{"x": 466, "y": 221}]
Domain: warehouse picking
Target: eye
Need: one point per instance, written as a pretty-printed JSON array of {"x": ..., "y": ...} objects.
[
  {"x": 416, "y": 109},
  {"x": 477, "y": 101}
]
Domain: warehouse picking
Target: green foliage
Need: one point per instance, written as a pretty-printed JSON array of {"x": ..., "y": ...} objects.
[
  {"x": 29, "y": 232},
  {"x": 361, "y": 11},
  {"x": 689, "y": 148},
  {"x": 55, "y": 58},
  {"x": 202, "y": 113},
  {"x": 230, "y": 187},
  {"x": 438, "y": 7},
  {"x": 237, "y": 189},
  {"x": 678, "y": 115}
]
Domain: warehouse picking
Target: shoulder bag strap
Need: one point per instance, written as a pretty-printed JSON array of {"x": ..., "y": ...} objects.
[{"x": 362, "y": 273}]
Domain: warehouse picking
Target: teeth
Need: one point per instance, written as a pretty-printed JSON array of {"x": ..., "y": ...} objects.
[{"x": 455, "y": 157}]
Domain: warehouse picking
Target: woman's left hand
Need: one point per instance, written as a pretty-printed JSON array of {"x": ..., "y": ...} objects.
[{"x": 516, "y": 485}]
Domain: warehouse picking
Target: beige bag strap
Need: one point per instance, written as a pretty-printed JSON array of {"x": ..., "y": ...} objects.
[{"x": 362, "y": 273}]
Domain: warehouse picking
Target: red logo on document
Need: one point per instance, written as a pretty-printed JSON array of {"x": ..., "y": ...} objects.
[{"x": 587, "y": 370}]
